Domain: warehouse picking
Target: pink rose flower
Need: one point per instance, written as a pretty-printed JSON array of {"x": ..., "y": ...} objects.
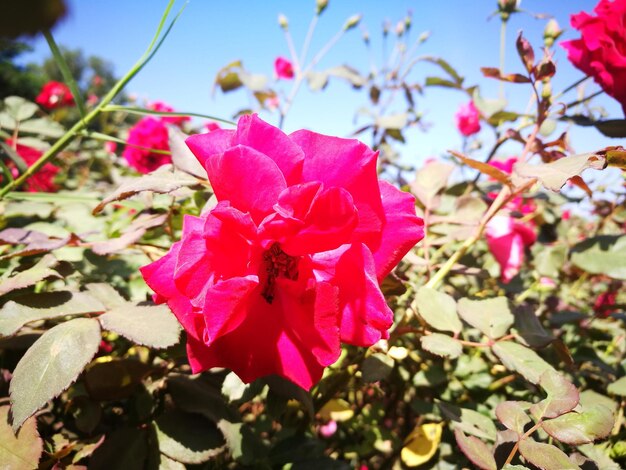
[
  {"x": 288, "y": 264},
  {"x": 601, "y": 50},
  {"x": 147, "y": 135},
  {"x": 283, "y": 68},
  {"x": 467, "y": 119},
  {"x": 43, "y": 180},
  {"x": 110, "y": 147},
  {"x": 55, "y": 95},
  {"x": 507, "y": 239},
  {"x": 164, "y": 108}
]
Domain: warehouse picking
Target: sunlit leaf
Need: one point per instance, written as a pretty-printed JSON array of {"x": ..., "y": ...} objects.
[
  {"x": 575, "y": 428},
  {"x": 438, "y": 309},
  {"x": 51, "y": 365},
  {"x": 422, "y": 444},
  {"x": 441, "y": 345},
  {"x": 21, "y": 451},
  {"x": 521, "y": 359},
  {"x": 491, "y": 316},
  {"x": 476, "y": 450},
  {"x": 562, "y": 396},
  {"x": 545, "y": 456}
]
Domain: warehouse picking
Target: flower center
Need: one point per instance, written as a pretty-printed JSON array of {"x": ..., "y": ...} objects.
[{"x": 277, "y": 263}]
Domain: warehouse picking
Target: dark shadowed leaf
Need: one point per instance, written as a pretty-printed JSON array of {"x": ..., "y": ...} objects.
[
  {"x": 124, "y": 448},
  {"x": 521, "y": 359},
  {"x": 163, "y": 181},
  {"x": 243, "y": 444},
  {"x": 604, "y": 254},
  {"x": 491, "y": 316},
  {"x": 529, "y": 328},
  {"x": 575, "y": 428},
  {"x": 512, "y": 414},
  {"x": 34, "y": 242},
  {"x": 438, "y": 309},
  {"x": 441, "y": 345},
  {"x": 545, "y": 456},
  {"x": 196, "y": 395},
  {"x": 475, "y": 450},
  {"x": 377, "y": 367},
  {"x": 188, "y": 438},
  {"x": 21, "y": 451},
  {"x": 562, "y": 396},
  {"x": 492, "y": 72},
  {"x": 42, "y": 270},
  {"x": 290, "y": 391},
  {"x": 26, "y": 309},
  {"x": 116, "y": 379},
  {"x": 51, "y": 365},
  {"x": 153, "y": 325}
]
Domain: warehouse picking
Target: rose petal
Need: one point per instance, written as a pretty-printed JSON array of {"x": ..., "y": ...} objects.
[{"x": 206, "y": 145}]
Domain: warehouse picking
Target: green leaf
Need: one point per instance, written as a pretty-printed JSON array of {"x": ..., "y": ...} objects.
[
  {"x": 392, "y": 121},
  {"x": 244, "y": 445},
  {"x": 438, "y": 310},
  {"x": 349, "y": 74},
  {"x": 550, "y": 259},
  {"x": 162, "y": 181},
  {"x": 491, "y": 316},
  {"x": 154, "y": 326},
  {"x": 106, "y": 294},
  {"x": 604, "y": 254},
  {"x": 254, "y": 82},
  {"x": 438, "y": 81},
  {"x": 431, "y": 179},
  {"x": 188, "y": 438},
  {"x": 518, "y": 358},
  {"x": 469, "y": 421},
  {"x": 116, "y": 379},
  {"x": 165, "y": 463},
  {"x": 451, "y": 71},
  {"x": 182, "y": 157},
  {"x": 19, "y": 108},
  {"x": 576, "y": 428},
  {"x": 65, "y": 71},
  {"x": 40, "y": 210},
  {"x": 317, "y": 80},
  {"x": 15, "y": 314},
  {"x": 555, "y": 174},
  {"x": 618, "y": 387},
  {"x": 545, "y": 456},
  {"x": 529, "y": 329},
  {"x": 195, "y": 395},
  {"x": 441, "y": 345},
  {"x": 7, "y": 150},
  {"x": 488, "y": 107},
  {"x": 376, "y": 367},
  {"x": 42, "y": 270},
  {"x": 562, "y": 396},
  {"x": 512, "y": 414},
  {"x": 21, "y": 451},
  {"x": 51, "y": 365},
  {"x": 475, "y": 450},
  {"x": 42, "y": 126}
]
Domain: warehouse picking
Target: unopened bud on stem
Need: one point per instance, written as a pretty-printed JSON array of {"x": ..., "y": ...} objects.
[
  {"x": 551, "y": 33},
  {"x": 352, "y": 22},
  {"x": 283, "y": 22},
  {"x": 320, "y": 6}
]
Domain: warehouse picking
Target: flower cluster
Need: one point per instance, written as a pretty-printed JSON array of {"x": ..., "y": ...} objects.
[
  {"x": 288, "y": 264},
  {"x": 54, "y": 95},
  {"x": 601, "y": 50},
  {"x": 148, "y": 141}
]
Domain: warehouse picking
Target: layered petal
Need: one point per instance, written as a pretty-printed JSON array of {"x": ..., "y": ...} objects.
[
  {"x": 255, "y": 133},
  {"x": 348, "y": 164},
  {"x": 402, "y": 230},
  {"x": 247, "y": 178},
  {"x": 216, "y": 142}
]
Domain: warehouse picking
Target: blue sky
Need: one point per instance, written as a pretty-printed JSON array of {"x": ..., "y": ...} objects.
[{"x": 212, "y": 33}]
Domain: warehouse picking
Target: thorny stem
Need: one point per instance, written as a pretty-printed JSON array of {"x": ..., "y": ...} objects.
[
  {"x": 516, "y": 446},
  {"x": 502, "y": 53},
  {"x": 571, "y": 87},
  {"x": 585, "y": 99},
  {"x": 292, "y": 51}
]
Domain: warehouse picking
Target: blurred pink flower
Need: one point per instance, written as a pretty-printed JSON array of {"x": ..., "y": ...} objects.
[
  {"x": 288, "y": 264},
  {"x": 283, "y": 68},
  {"x": 110, "y": 147},
  {"x": 43, "y": 180},
  {"x": 55, "y": 95},
  {"x": 147, "y": 135},
  {"x": 467, "y": 119},
  {"x": 505, "y": 166},
  {"x": 604, "y": 302},
  {"x": 566, "y": 215},
  {"x": 328, "y": 429},
  {"x": 165, "y": 108},
  {"x": 212, "y": 126},
  {"x": 507, "y": 239}
]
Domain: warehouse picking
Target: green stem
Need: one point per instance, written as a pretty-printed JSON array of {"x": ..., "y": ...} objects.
[
  {"x": 81, "y": 125},
  {"x": 583, "y": 100},
  {"x": 571, "y": 87},
  {"x": 502, "y": 53}
]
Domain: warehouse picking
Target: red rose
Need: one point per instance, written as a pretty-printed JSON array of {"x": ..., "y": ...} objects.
[
  {"x": 467, "y": 119},
  {"x": 147, "y": 135},
  {"x": 43, "y": 180},
  {"x": 55, "y": 95},
  {"x": 288, "y": 264},
  {"x": 601, "y": 50}
]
